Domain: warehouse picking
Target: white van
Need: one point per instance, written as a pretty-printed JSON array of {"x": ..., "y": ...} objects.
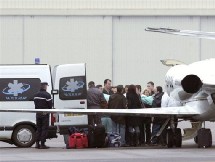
[{"x": 19, "y": 83}]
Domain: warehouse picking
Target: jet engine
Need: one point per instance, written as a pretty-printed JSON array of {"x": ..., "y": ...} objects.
[{"x": 191, "y": 83}]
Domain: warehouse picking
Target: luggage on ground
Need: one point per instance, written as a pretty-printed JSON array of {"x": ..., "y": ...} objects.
[
  {"x": 204, "y": 138},
  {"x": 114, "y": 140},
  {"x": 96, "y": 136},
  {"x": 78, "y": 140}
]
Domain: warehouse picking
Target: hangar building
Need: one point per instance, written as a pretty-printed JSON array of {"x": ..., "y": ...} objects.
[{"x": 108, "y": 35}]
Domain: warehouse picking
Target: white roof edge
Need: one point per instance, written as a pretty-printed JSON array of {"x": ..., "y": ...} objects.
[{"x": 107, "y": 12}]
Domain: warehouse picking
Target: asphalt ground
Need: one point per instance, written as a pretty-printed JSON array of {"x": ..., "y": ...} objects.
[{"x": 57, "y": 152}]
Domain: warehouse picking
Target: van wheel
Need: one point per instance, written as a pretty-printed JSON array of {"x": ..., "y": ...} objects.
[{"x": 24, "y": 136}]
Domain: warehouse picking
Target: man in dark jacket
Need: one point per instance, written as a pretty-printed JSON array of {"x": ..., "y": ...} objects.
[
  {"x": 157, "y": 122},
  {"x": 95, "y": 99},
  {"x": 118, "y": 101},
  {"x": 107, "y": 87},
  {"x": 42, "y": 100}
]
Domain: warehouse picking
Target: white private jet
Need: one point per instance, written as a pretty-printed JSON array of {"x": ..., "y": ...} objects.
[{"x": 193, "y": 85}]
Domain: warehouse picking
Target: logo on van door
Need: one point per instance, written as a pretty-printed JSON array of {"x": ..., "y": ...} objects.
[
  {"x": 15, "y": 88},
  {"x": 72, "y": 85},
  {"x": 18, "y": 89},
  {"x": 73, "y": 88}
]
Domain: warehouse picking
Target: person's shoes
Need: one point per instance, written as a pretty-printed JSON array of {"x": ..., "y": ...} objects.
[
  {"x": 148, "y": 141},
  {"x": 154, "y": 144},
  {"x": 163, "y": 144},
  {"x": 124, "y": 145},
  {"x": 37, "y": 145},
  {"x": 44, "y": 147},
  {"x": 143, "y": 144}
]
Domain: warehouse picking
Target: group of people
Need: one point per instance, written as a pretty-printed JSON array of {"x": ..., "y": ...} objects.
[{"x": 134, "y": 130}]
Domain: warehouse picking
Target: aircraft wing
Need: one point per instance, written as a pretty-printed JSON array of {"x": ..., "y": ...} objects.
[
  {"x": 184, "y": 111},
  {"x": 198, "y": 34}
]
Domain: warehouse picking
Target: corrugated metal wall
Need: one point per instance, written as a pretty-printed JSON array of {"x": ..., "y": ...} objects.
[
  {"x": 69, "y": 39},
  {"x": 139, "y": 52},
  {"x": 207, "y": 47},
  {"x": 113, "y": 47},
  {"x": 11, "y": 40}
]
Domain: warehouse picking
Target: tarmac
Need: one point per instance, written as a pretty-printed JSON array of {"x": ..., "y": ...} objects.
[{"x": 57, "y": 153}]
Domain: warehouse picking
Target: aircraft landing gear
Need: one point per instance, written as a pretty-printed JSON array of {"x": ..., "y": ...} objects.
[
  {"x": 174, "y": 137},
  {"x": 204, "y": 138}
]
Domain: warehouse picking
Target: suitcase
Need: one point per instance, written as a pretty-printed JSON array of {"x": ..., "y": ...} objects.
[
  {"x": 78, "y": 140},
  {"x": 114, "y": 140},
  {"x": 96, "y": 136},
  {"x": 204, "y": 138}
]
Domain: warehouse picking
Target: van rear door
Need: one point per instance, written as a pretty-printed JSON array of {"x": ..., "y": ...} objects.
[{"x": 70, "y": 81}]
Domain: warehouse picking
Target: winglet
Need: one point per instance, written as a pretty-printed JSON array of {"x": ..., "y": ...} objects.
[{"x": 171, "y": 62}]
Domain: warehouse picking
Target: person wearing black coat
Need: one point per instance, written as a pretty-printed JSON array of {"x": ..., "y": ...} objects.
[
  {"x": 157, "y": 122},
  {"x": 118, "y": 101},
  {"x": 133, "y": 122},
  {"x": 42, "y": 100}
]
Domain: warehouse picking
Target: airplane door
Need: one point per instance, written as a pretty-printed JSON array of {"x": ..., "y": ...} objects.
[{"x": 70, "y": 82}]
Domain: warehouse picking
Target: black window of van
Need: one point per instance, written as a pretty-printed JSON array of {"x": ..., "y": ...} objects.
[
  {"x": 73, "y": 88},
  {"x": 18, "y": 89}
]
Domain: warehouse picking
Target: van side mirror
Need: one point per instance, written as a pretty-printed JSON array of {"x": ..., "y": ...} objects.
[{"x": 55, "y": 91}]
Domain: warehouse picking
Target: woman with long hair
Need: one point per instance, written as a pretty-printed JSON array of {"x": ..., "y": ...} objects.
[{"x": 134, "y": 102}]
